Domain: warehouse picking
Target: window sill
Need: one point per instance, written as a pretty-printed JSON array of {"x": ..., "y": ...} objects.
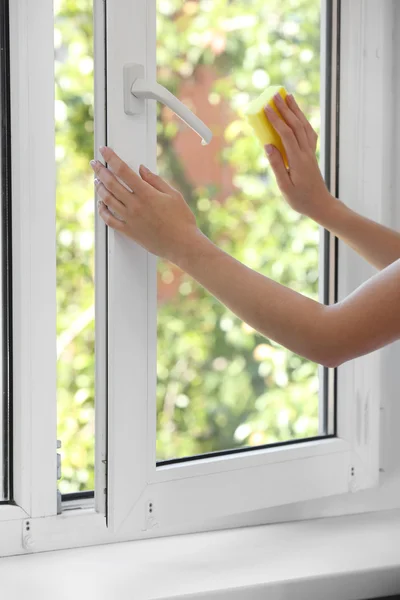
[{"x": 349, "y": 557}]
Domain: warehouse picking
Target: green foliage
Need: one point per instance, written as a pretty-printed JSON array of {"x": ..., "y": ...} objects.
[{"x": 220, "y": 384}]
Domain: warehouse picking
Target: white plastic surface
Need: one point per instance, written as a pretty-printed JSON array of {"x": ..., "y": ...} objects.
[
  {"x": 137, "y": 88},
  {"x": 347, "y": 558}
]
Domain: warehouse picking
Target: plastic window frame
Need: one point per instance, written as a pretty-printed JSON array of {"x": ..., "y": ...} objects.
[{"x": 367, "y": 46}]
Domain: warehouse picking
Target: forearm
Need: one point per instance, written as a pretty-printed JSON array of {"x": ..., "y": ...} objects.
[
  {"x": 379, "y": 245},
  {"x": 330, "y": 335},
  {"x": 279, "y": 313}
]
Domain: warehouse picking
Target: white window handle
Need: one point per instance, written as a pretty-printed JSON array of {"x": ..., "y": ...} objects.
[{"x": 137, "y": 89}]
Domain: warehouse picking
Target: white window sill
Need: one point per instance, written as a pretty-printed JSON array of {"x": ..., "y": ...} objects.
[{"x": 340, "y": 558}]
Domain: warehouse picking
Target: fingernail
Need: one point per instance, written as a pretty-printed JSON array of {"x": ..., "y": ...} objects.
[
  {"x": 269, "y": 149},
  {"x": 269, "y": 108},
  {"x": 99, "y": 203},
  {"x": 101, "y": 149},
  {"x": 96, "y": 181},
  {"x": 145, "y": 169},
  {"x": 93, "y": 163},
  {"x": 278, "y": 98}
]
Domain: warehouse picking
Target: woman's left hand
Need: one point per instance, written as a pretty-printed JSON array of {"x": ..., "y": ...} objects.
[{"x": 154, "y": 214}]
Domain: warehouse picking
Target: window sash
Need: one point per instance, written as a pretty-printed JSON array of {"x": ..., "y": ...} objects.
[{"x": 201, "y": 489}]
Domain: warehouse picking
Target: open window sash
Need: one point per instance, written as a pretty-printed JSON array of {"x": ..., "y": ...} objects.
[{"x": 142, "y": 498}]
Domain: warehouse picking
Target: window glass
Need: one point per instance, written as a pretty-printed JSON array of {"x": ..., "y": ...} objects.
[
  {"x": 74, "y": 118},
  {"x": 221, "y": 385},
  {"x": 5, "y": 259}
]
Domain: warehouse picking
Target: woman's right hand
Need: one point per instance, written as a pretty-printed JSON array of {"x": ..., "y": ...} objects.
[{"x": 302, "y": 184}]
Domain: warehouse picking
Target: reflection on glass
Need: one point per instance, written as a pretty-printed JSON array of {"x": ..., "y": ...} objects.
[
  {"x": 220, "y": 384},
  {"x": 74, "y": 91}
]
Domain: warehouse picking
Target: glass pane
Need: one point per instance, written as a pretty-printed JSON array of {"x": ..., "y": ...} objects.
[
  {"x": 5, "y": 256},
  {"x": 74, "y": 114},
  {"x": 220, "y": 384}
]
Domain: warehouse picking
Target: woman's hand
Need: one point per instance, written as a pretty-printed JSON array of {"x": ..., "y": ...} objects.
[
  {"x": 154, "y": 214},
  {"x": 304, "y": 189},
  {"x": 302, "y": 184}
]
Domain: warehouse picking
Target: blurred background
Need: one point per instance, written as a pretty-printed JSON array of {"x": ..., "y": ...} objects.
[{"x": 220, "y": 384}]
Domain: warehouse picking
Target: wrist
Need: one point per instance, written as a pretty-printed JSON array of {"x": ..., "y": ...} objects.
[
  {"x": 329, "y": 209},
  {"x": 190, "y": 250}
]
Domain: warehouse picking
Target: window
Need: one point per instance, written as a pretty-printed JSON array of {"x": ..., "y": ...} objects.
[
  {"x": 79, "y": 30},
  {"x": 225, "y": 397},
  {"x": 173, "y": 421}
]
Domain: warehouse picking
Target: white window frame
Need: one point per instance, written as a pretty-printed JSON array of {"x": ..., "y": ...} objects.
[
  {"x": 190, "y": 497},
  {"x": 34, "y": 269}
]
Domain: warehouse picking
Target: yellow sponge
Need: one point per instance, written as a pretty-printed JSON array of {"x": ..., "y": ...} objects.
[{"x": 257, "y": 118}]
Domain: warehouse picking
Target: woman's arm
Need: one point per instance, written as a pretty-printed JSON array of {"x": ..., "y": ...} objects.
[
  {"x": 157, "y": 217},
  {"x": 330, "y": 335},
  {"x": 304, "y": 189},
  {"x": 379, "y": 245}
]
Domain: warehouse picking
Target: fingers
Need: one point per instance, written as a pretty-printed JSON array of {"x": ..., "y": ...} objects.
[
  {"x": 312, "y": 136},
  {"x": 111, "y": 183},
  {"x": 123, "y": 172},
  {"x": 285, "y": 132},
  {"x": 109, "y": 200},
  {"x": 155, "y": 180},
  {"x": 293, "y": 121},
  {"x": 109, "y": 219},
  {"x": 278, "y": 167}
]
